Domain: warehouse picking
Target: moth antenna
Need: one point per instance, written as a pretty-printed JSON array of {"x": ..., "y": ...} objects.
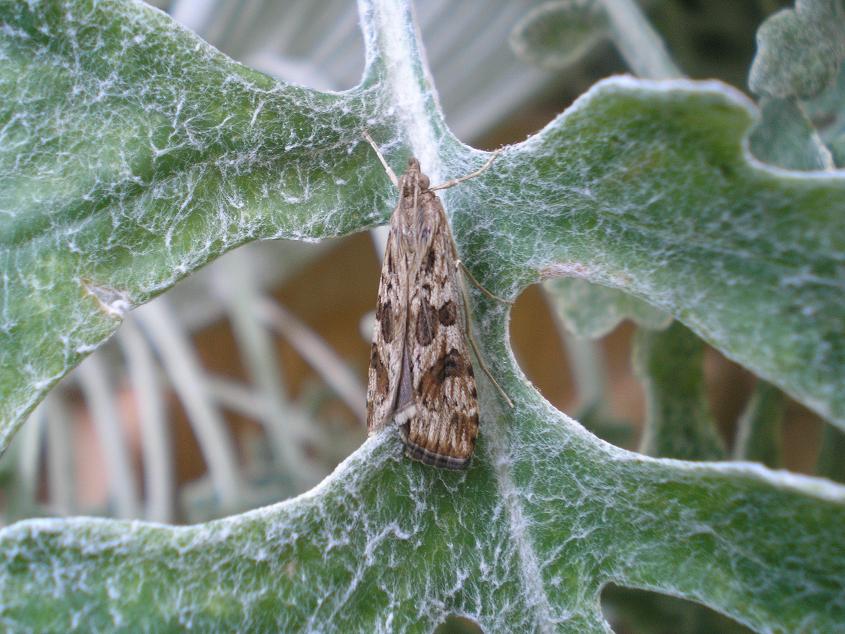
[
  {"x": 471, "y": 337},
  {"x": 387, "y": 169},
  {"x": 478, "y": 172},
  {"x": 480, "y": 287}
]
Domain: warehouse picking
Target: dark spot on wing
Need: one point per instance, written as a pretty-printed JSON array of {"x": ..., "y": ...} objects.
[
  {"x": 385, "y": 318},
  {"x": 448, "y": 313},
  {"x": 382, "y": 383},
  {"x": 430, "y": 259},
  {"x": 454, "y": 365}
]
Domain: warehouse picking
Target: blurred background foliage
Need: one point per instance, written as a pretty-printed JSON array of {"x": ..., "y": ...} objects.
[{"x": 254, "y": 369}]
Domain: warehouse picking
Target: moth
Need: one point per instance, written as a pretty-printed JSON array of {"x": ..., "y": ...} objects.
[{"x": 420, "y": 374}]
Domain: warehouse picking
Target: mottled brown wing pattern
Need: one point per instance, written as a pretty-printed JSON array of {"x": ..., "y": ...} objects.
[
  {"x": 389, "y": 332},
  {"x": 444, "y": 424},
  {"x": 420, "y": 373}
]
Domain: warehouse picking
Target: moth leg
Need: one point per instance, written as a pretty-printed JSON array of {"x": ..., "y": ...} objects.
[
  {"x": 471, "y": 337},
  {"x": 478, "y": 172},
  {"x": 480, "y": 286},
  {"x": 387, "y": 169}
]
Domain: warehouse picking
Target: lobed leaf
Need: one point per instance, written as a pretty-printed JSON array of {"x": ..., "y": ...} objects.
[
  {"x": 785, "y": 137},
  {"x": 133, "y": 153},
  {"x": 799, "y": 50},
  {"x": 679, "y": 424},
  {"x": 758, "y": 436},
  {"x": 827, "y": 113},
  {"x": 640, "y": 185},
  {"x": 592, "y": 311},
  {"x": 646, "y": 187},
  {"x": 798, "y": 69},
  {"x": 387, "y": 546},
  {"x": 556, "y": 34}
]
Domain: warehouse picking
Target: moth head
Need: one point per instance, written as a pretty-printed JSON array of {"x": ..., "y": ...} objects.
[{"x": 413, "y": 178}]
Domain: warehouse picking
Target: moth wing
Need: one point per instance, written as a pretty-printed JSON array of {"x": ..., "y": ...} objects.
[
  {"x": 388, "y": 333},
  {"x": 444, "y": 424}
]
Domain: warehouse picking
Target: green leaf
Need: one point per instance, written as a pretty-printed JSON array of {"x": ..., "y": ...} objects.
[
  {"x": 286, "y": 161},
  {"x": 831, "y": 462},
  {"x": 131, "y": 154},
  {"x": 642, "y": 186},
  {"x": 785, "y": 137},
  {"x": 827, "y": 113},
  {"x": 758, "y": 435},
  {"x": 799, "y": 50},
  {"x": 678, "y": 422},
  {"x": 592, "y": 311},
  {"x": 555, "y": 35},
  {"x": 749, "y": 259},
  {"x": 799, "y": 66},
  {"x": 384, "y": 545}
]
